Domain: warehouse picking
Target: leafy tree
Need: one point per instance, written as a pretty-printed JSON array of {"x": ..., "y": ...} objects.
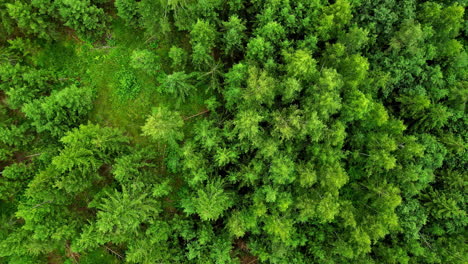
[
  {"x": 178, "y": 84},
  {"x": 178, "y": 57},
  {"x": 260, "y": 88},
  {"x": 14, "y": 179},
  {"x": 81, "y": 15},
  {"x": 118, "y": 219},
  {"x": 145, "y": 60},
  {"x": 23, "y": 83},
  {"x": 234, "y": 35},
  {"x": 87, "y": 148},
  {"x": 336, "y": 132},
  {"x": 259, "y": 49},
  {"x": 60, "y": 111},
  {"x": 211, "y": 201},
  {"x": 128, "y": 10},
  {"x": 202, "y": 38},
  {"x": 247, "y": 124},
  {"x": 33, "y": 18},
  {"x": 164, "y": 126}
]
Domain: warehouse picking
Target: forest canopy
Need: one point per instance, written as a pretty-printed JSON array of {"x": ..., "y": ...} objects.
[{"x": 233, "y": 131}]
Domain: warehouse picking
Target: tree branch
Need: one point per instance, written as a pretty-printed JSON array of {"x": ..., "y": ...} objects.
[
  {"x": 201, "y": 113},
  {"x": 33, "y": 155},
  {"x": 112, "y": 251}
]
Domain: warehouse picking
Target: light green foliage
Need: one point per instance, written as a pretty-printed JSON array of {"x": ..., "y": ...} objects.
[
  {"x": 247, "y": 124},
  {"x": 212, "y": 201},
  {"x": 355, "y": 39},
  {"x": 163, "y": 126},
  {"x": 301, "y": 65},
  {"x": 259, "y": 49},
  {"x": 334, "y": 17},
  {"x": 129, "y": 168},
  {"x": 326, "y": 95},
  {"x": 145, "y": 60},
  {"x": 118, "y": 219},
  {"x": 282, "y": 170},
  {"x": 260, "y": 87},
  {"x": 409, "y": 37}
]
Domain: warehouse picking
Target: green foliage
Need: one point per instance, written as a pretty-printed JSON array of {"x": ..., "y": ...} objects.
[
  {"x": 145, "y": 60},
  {"x": 22, "y": 83},
  {"x": 128, "y": 85},
  {"x": 202, "y": 38},
  {"x": 127, "y": 10},
  {"x": 87, "y": 19},
  {"x": 33, "y": 18},
  {"x": 14, "y": 179},
  {"x": 212, "y": 201},
  {"x": 87, "y": 148},
  {"x": 234, "y": 36},
  {"x": 164, "y": 126},
  {"x": 280, "y": 132},
  {"x": 60, "y": 111},
  {"x": 119, "y": 217},
  {"x": 178, "y": 58},
  {"x": 179, "y": 85},
  {"x": 98, "y": 256}
]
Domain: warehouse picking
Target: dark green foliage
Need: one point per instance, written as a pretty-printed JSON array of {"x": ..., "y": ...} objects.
[
  {"x": 235, "y": 35},
  {"x": 233, "y": 131}
]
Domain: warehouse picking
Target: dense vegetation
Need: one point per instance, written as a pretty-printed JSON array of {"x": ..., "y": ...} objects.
[{"x": 233, "y": 131}]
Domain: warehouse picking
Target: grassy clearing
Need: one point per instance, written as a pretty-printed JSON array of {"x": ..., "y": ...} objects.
[{"x": 101, "y": 67}]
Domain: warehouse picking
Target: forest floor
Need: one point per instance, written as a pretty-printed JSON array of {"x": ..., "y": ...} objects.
[{"x": 102, "y": 66}]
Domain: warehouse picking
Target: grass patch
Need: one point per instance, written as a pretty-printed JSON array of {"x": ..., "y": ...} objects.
[{"x": 125, "y": 96}]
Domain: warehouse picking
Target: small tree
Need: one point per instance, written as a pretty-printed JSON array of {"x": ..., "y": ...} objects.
[
  {"x": 179, "y": 85},
  {"x": 164, "y": 125},
  {"x": 178, "y": 57},
  {"x": 128, "y": 10},
  {"x": 203, "y": 36},
  {"x": 212, "y": 200},
  {"x": 234, "y": 35},
  {"x": 84, "y": 17},
  {"x": 61, "y": 111},
  {"x": 145, "y": 60}
]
